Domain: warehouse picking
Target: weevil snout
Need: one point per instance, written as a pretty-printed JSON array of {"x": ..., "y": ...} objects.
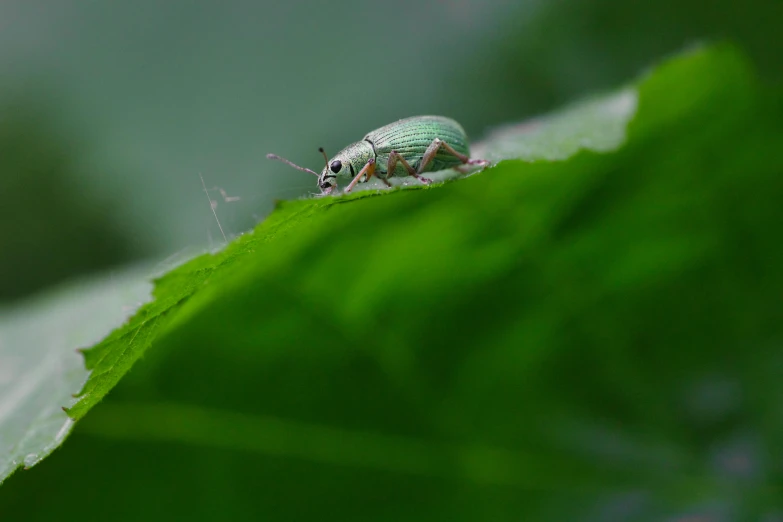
[{"x": 326, "y": 186}]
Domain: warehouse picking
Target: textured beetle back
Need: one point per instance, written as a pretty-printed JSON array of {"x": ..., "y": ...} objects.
[{"x": 411, "y": 137}]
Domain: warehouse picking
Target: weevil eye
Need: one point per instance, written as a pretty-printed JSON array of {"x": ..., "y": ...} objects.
[{"x": 336, "y": 166}]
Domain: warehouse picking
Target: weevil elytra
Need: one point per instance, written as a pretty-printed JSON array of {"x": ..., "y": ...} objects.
[{"x": 411, "y": 146}]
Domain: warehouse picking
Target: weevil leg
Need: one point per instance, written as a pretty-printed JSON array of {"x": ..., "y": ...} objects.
[
  {"x": 436, "y": 145},
  {"x": 394, "y": 157},
  {"x": 369, "y": 169},
  {"x": 384, "y": 179}
]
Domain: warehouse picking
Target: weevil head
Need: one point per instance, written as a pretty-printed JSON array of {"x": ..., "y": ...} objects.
[
  {"x": 327, "y": 180},
  {"x": 346, "y": 164}
]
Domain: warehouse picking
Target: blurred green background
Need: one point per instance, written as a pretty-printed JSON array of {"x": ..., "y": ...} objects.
[{"x": 110, "y": 111}]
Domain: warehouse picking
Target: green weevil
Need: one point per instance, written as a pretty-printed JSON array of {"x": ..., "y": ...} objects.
[{"x": 410, "y": 146}]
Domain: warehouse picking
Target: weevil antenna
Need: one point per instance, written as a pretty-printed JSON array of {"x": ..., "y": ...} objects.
[
  {"x": 276, "y": 157},
  {"x": 326, "y": 158}
]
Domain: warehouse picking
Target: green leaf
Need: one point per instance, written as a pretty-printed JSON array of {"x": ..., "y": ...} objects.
[
  {"x": 40, "y": 369},
  {"x": 591, "y": 330},
  {"x": 597, "y": 125}
]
